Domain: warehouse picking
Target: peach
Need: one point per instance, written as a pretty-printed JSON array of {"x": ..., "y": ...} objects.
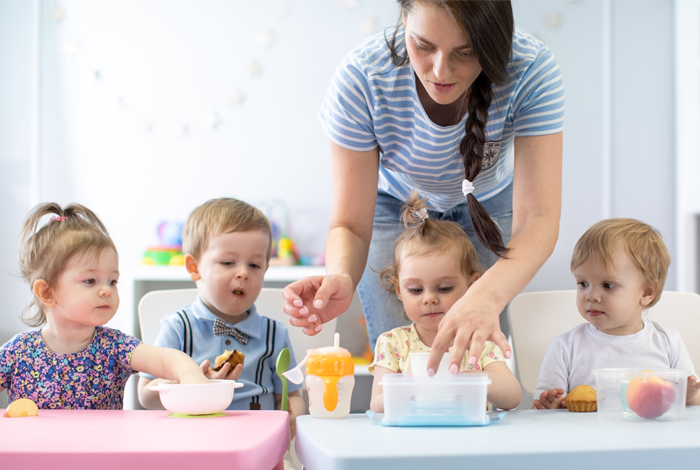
[
  {"x": 650, "y": 396},
  {"x": 21, "y": 407}
]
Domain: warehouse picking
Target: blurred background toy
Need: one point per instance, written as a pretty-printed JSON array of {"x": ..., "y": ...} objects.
[
  {"x": 169, "y": 251},
  {"x": 284, "y": 253}
]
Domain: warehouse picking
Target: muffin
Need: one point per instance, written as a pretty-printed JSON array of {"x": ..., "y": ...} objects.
[
  {"x": 581, "y": 399},
  {"x": 232, "y": 357}
]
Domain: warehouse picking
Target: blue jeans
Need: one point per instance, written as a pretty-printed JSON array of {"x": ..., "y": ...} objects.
[{"x": 384, "y": 311}]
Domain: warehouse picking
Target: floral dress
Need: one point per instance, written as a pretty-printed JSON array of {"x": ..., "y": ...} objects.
[
  {"x": 92, "y": 379},
  {"x": 393, "y": 347}
]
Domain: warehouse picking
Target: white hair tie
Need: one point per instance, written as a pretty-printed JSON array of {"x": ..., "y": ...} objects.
[
  {"x": 422, "y": 214},
  {"x": 467, "y": 187}
]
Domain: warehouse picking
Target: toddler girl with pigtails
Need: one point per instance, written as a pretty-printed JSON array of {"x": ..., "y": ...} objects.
[
  {"x": 434, "y": 264},
  {"x": 73, "y": 361}
]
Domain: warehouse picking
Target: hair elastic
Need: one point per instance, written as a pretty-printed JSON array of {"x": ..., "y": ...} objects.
[
  {"x": 57, "y": 219},
  {"x": 467, "y": 187},
  {"x": 422, "y": 214}
]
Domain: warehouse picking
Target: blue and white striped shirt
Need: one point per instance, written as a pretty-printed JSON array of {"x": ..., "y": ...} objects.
[{"x": 373, "y": 103}]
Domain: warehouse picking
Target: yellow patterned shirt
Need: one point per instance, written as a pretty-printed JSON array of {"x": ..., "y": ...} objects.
[{"x": 393, "y": 347}]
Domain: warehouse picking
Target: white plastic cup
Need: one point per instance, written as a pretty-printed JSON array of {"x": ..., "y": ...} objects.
[
  {"x": 315, "y": 387},
  {"x": 418, "y": 362}
]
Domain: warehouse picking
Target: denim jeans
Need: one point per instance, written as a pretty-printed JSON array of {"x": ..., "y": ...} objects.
[{"x": 384, "y": 311}]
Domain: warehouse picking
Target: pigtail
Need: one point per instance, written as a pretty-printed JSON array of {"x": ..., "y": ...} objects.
[
  {"x": 79, "y": 213},
  {"x": 415, "y": 210},
  {"x": 34, "y": 239}
]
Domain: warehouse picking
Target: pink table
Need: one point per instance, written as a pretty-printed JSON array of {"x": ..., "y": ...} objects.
[{"x": 123, "y": 440}]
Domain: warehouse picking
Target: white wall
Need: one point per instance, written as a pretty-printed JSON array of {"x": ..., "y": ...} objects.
[
  {"x": 617, "y": 62},
  {"x": 166, "y": 63},
  {"x": 687, "y": 82}
]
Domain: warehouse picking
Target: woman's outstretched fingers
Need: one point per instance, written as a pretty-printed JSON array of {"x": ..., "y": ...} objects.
[
  {"x": 441, "y": 343},
  {"x": 502, "y": 342},
  {"x": 298, "y": 297},
  {"x": 475, "y": 342}
]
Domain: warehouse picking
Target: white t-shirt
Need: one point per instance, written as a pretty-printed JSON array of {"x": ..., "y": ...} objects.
[{"x": 572, "y": 357}]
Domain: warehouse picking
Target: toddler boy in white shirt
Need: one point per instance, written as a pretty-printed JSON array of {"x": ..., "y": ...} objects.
[{"x": 620, "y": 266}]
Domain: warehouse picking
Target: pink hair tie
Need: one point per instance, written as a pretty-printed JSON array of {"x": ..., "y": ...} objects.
[{"x": 57, "y": 219}]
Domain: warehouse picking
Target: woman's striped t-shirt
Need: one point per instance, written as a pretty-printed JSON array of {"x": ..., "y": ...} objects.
[{"x": 373, "y": 103}]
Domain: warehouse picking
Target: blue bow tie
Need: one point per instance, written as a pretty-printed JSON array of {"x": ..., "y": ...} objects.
[{"x": 221, "y": 329}]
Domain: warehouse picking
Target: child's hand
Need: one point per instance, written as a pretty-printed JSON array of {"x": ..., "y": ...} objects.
[
  {"x": 550, "y": 400},
  {"x": 223, "y": 373},
  {"x": 194, "y": 378},
  {"x": 691, "y": 396}
]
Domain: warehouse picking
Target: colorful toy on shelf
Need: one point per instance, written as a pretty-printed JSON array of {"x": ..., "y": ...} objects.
[
  {"x": 169, "y": 252},
  {"x": 284, "y": 252}
]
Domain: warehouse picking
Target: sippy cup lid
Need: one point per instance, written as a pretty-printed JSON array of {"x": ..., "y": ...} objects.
[{"x": 330, "y": 360}]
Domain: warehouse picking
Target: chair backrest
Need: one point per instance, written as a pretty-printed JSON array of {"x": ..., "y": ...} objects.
[
  {"x": 538, "y": 317},
  {"x": 156, "y": 304}
]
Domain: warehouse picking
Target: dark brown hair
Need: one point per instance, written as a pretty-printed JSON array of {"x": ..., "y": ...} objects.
[
  {"x": 44, "y": 253},
  {"x": 642, "y": 242},
  {"x": 488, "y": 24},
  {"x": 423, "y": 236},
  {"x": 223, "y": 215}
]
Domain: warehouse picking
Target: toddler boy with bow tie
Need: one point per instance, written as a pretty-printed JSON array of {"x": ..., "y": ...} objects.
[{"x": 227, "y": 246}]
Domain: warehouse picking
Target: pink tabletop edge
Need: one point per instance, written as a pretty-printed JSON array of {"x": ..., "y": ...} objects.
[{"x": 249, "y": 439}]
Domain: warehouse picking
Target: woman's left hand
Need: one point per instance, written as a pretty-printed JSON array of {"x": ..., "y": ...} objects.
[{"x": 466, "y": 325}]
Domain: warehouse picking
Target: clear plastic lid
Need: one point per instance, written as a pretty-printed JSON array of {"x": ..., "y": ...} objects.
[{"x": 475, "y": 378}]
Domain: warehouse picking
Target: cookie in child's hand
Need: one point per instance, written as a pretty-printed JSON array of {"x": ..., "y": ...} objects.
[
  {"x": 232, "y": 357},
  {"x": 581, "y": 399}
]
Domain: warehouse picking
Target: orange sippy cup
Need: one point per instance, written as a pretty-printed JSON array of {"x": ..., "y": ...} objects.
[{"x": 330, "y": 380}]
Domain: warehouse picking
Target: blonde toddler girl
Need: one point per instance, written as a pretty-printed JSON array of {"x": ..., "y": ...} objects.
[
  {"x": 434, "y": 265},
  {"x": 73, "y": 361}
]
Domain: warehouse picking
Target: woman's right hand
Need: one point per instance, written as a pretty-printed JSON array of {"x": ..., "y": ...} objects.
[{"x": 315, "y": 300}]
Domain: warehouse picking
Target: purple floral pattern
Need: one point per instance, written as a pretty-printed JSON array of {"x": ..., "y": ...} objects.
[{"x": 92, "y": 379}]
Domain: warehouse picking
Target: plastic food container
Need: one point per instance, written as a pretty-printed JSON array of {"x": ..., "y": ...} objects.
[
  {"x": 441, "y": 400},
  {"x": 641, "y": 393},
  {"x": 329, "y": 381},
  {"x": 418, "y": 364},
  {"x": 196, "y": 399}
]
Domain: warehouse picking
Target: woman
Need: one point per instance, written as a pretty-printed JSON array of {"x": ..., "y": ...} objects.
[{"x": 456, "y": 104}]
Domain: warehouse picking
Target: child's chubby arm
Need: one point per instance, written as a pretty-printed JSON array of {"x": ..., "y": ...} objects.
[
  {"x": 504, "y": 391},
  {"x": 554, "y": 377},
  {"x": 550, "y": 400},
  {"x": 377, "y": 402},
  {"x": 295, "y": 406},
  {"x": 692, "y": 397},
  {"x": 150, "y": 399},
  {"x": 167, "y": 363}
]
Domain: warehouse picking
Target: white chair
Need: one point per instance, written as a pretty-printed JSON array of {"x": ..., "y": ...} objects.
[
  {"x": 536, "y": 318},
  {"x": 155, "y": 304}
]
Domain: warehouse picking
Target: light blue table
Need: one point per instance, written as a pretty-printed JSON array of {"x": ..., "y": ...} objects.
[{"x": 522, "y": 440}]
